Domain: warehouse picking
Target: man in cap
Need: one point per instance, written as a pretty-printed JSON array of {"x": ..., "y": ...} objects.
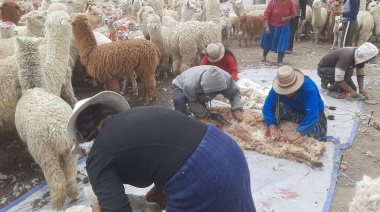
[
  {"x": 156, "y": 145},
  {"x": 337, "y": 67},
  {"x": 198, "y": 85},
  {"x": 221, "y": 57},
  {"x": 295, "y": 97}
]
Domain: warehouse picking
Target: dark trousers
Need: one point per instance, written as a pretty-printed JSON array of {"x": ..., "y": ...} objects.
[
  {"x": 349, "y": 30},
  {"x": 327, "y": 75},
  {"x": 179, "y": 100},
  {"x": 293, "y": 29}
]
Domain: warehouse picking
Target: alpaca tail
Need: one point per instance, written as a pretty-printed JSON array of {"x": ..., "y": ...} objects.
[{"x": 29, "y": 62}]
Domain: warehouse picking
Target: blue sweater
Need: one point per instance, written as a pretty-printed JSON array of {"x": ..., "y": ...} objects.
[
  {"x": 307, "y": 102},
  {"x": 351, "y": 10}
]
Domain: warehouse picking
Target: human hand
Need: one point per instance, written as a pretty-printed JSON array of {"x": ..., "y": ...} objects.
[
  {"x": 336, "y": 13},
  {"x": 96, "y": 207},
  {"x": 274, "y": 133},
  {"x": 238, "y": 115},
  {"x": 364, "y": 93},
  {"x": 293, "y": 136},
  {"x": 353, "y": 94},
  {"x": 266, "y": 28}
]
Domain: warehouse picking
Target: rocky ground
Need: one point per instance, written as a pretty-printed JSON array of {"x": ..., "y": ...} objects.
[{"x": 362, "y": 159}]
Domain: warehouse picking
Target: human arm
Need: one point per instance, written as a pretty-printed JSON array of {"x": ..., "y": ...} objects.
[
  {"x": 354, "y": 9},
  {"x": 233, "y": 70},
  {"x": 232, "y": 93},
  {"x": 309, "y": 95},
  {"x": 106, "y": 183},
  {"x": 205, "y": 61},
  {"x": 267, "y": 15},
  {"x": 269, "y": 108},
  {"x": 360, "y": 79},
  {"x": 341, "y": 67},
  {"x": 197, "y": 108}
]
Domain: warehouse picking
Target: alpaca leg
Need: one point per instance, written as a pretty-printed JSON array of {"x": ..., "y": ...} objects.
[
  {"x": 133, "y": 79},
  {"x": 113, "y": 85},
  {"x": 125, "y": 82},
  {"x": 54, "y": 175},
  {"x": 69, "y": 163},
  {"x": 334, "y": 42},
  {"x": 176, "y": 64},
  {"x": 149, "y": 86}
]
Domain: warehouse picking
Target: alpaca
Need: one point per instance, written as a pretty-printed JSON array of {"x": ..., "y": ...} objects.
[
  {"x": 334, "y": 6},
  {"x": 157, "y": 5},
  {"x": 142, "y": 16},
  {"x": 41, "y": 119},
  {"x": 319, "y": 20},
  {"x": 337, "y": 32},
  {"x": 10, "y": 11},
  {"x": 374, "y": 9},
  {"x": 305, "y": 24},
  {"x": 366, "y": 24},
  {"x": 7, "y": 29},
  {"x": 188, "y": 10},
  {"x": 155, "y": 33},
  {"x": 34, "y": 24},
  {"x": 250, "y": 135},
  {"x": 235, "y": 25},
  {"x": 94, "y": 15},
  {"x": 250, "y": 25},
  {"x": 226, "y": 25},
  {"x": 110, "y": 62}
]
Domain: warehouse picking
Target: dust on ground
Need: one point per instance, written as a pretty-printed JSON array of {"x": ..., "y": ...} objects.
[{"x": 362, "y": 159}]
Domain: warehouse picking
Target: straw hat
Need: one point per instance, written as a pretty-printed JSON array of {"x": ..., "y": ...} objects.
[
  {"x": 108, "y": 98},
  {"x": 215, "y": 52},
  {"x": 287, "y": 80},
  {"x": 366, "y": 52}
]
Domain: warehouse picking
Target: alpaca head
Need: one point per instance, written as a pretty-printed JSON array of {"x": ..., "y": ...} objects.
[
  {"x": 336, "y": 6},
  {"x": 338, "y": 20},
  {"x": 94, "y": 14},
  {"x": 35, "y": 18},
  {"x": 26, "y": 7},
  {"x": 317, "y": 4},
  {"x": 154, "y": 21},
  {"x": 373, "y": 5},
  {"x": 122, "y": 33},
  {"x": 77, "y": 6},
  {"x": 110, "y": 16},
  {"x": 81, "y": 22},
  {"x": 143, "y": 13}
]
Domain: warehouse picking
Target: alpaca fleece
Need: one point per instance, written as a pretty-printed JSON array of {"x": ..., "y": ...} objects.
[
  {"x": 249, "y": 26},
  {"x": 250, "y": 135},
  {"x": 112, "y": 61}
]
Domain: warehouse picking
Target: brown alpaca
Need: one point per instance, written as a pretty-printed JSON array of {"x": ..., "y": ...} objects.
[
  {"x": 110, "y": 62},
  {"x": 335, "y": 6},
  {"x": 250, "y": 134},
  {"x": 250, "y": 25},
  {"x": 10, "y": 11}
]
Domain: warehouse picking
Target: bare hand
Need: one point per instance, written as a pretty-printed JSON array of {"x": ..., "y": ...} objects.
[
  {"x": 364, "y": 93},
  {"x": 353, "y": 94},
  {"x": 96, "y": 207},
  {"x": 274, "y": 133},
  {"x": 267, "y": 29},
  {"x": 238, "y": 116},
  {"x": 293, "y": 136},
  {"x": 284, "y": 19}
]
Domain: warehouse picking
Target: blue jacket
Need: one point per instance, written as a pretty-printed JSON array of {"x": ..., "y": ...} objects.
[
  {"x": 351, "y": 10},
  {"x": 307, "y": 102}
]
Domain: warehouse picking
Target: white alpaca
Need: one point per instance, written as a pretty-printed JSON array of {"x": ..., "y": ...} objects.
[
  {"x": 319, "y": 20},
  {"x": 337, "y": 33},
  {"x": 305, "y": 24},
  {"x": 366, "y": 24},
  {"x": 157, "y": 5},
  {"x": 374, "y": 9},
  {"x": 367, "y": 196},
  {"x": 169, "y": 21},
  {"x": 41, "y": 118},
  {"x": 142, "y": 16},
  {"x": 7, "y": 29},
  {"x": 188, "y": 10}
]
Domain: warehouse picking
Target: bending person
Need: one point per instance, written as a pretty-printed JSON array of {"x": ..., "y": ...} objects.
[
  {"x": 337, "y": 67},
  {"x": 198, "y": 85},
  {"x": 156, "y": 145},
  {"x": 295, "y": 98},
  {"x": 223, "y": 58}
]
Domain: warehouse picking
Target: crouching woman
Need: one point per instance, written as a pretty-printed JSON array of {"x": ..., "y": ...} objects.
[
  {"x": 295, "y": 98},
  {"x": 197, "y": 166}
]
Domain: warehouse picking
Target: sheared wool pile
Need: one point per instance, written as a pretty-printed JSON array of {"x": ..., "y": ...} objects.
[
  {"x": 252, "y": 94},
  {"x": 250, "y": 135}
]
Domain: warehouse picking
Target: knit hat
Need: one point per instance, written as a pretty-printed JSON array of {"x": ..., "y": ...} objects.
[
  {"x": 366, "y": 52},
  {"x": 215, "y": 52},
  {"x": 108, "y": 98},
  {"x": 287, "y": 80}
]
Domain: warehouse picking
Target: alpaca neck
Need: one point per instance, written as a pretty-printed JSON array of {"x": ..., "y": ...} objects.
[
  {"x": 85, "y": 41},
  {"x": 34, "y": 29},
  {"x": 29, "y": 70}
]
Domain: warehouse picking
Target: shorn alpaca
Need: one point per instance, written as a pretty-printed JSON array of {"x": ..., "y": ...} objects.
[
  {"x": 250, "y": 135},
  {"x": 41, "y": 119},
  {"x": 112, "y": 61}
]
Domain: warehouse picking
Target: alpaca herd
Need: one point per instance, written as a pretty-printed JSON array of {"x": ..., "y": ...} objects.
[{"x": 43, "y": 43}]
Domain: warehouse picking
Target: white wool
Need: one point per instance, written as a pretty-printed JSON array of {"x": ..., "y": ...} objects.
[
  {"x": 337, "y": 33},
  {"x": 172, "y": 14},
  {"x": 86, "y": 146},
  {"x": 367, "y": 196},
  {"x": 169, "y": 21},
  {"x": 366, "y": 24},
  {"x": 101, "y": 38},
  {"x": 253, "y": 95},
  {"x": 374, "y": 9},
  {"x": 142, "y": 16},
  {"x": 319, "y": 19}
]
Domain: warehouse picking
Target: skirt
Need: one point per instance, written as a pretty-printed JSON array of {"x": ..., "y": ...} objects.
[
  {"x": 214, "y": 179},
  {"x": 277, "y": 40},
  {"x": 318, "y": 132}
]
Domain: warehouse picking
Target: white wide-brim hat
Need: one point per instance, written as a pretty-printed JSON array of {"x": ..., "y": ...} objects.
[
  {"x": 108, "y": 98},
  {"x": 288, "y": 80},
  {"x": 215, "y": 52},
  {"x": 366, "y": 52}
]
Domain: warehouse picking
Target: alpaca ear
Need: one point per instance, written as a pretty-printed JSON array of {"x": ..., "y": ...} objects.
[
  {"x": 18, "y": 41},
  {"x": 39, "y": 41}
]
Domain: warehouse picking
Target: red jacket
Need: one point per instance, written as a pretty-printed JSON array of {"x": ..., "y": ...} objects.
[{"x": 227, "y": 63}]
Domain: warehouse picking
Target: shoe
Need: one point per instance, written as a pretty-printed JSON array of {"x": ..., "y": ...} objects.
[
  {"x": 264, "y": 58},
  {"x": 279, "y": 64},
  {"x": 288, "y": 51}
]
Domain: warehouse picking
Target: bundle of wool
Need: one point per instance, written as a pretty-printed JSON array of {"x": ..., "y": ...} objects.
[
  {"x": 250, "y": 135},
  {"x": 252, "y": 94}
]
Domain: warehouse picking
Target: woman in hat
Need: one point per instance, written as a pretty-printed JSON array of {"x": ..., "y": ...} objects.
[
  {"x": 197, "y": 166},
  {"x": 221, "y": 57},
  {"x": 295, "y": 98},
  {"x": 276, "y": 34}
]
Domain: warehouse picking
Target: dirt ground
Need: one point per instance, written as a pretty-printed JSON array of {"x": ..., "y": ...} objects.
[{"x": 362, "y": 159}]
